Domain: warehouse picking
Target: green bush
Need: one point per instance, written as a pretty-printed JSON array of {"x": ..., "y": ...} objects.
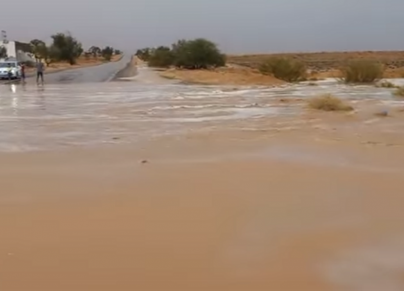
[
  {"x": 144, "y": 54},
  {"x": 362, "y": 71},
  {"x": 197, "y": 54},
  {"x": 161, "y": 57},
  {"x": 285, "y": 69},
  {"x": 187, "y": 54}
]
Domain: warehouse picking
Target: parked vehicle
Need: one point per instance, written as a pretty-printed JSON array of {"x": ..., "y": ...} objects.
[{"x": 15, "y": 70}]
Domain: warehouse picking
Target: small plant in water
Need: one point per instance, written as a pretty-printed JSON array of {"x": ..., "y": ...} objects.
[
  {"x": 328, "y": 102},
  {"x": 399, "y": 92},
  {"x": 386, "y": 84}
]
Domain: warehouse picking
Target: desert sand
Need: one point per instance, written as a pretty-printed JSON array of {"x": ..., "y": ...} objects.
[{"x": 231, "y": 75}]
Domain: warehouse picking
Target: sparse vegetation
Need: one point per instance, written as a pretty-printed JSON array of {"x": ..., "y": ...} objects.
[
  {"x": 326, "y": 63},
  {"x": 66, "y": 48},
  {"x": 399, "y": 92},
  {"x": 328, "y": 102},
  {"x": 285, "y": 69},
  {"x": 187, "y": 54},
  {"x": 362, "y": 71}
]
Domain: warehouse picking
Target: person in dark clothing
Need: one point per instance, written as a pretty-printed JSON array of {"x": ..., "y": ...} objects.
[
  {"x": 39, "y": 71},
  {"x": 23, "y": 73},
  {"x": 9, "y": 72}
]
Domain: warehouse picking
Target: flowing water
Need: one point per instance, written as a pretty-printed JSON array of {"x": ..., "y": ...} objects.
[{"x": 64, "y": 115}]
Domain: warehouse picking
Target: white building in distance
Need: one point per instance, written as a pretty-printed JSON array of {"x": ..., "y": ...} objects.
[
  {"x": 10, "y": 47},
  {"x": 18, "y": 51}
]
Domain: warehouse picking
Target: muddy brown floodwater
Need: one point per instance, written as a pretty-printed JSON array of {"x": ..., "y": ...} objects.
[{"x": 148, "y": 185}]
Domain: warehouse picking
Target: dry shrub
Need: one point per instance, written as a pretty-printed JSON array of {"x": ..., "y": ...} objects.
[
  {"x": 328, "y": 102},
  {"x": 362, "y": 71},
  {"x": 285, "y": 69},
  {"x": 386, "y": 84},
  {"x": 399, "y": 92}
]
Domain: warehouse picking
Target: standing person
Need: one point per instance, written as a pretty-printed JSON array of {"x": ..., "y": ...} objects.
[
  {"x": 9, "y": 72},
  {"x": 39, "y": 71},
  {"x": 23, "y": 72}
]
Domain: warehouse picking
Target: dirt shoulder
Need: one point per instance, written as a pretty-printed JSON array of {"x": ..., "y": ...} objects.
[{"x": 222, "y": 76}]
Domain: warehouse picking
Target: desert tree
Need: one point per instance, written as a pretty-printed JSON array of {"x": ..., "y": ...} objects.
[
  {"x": 95, "y": 51},
  {"x": 66, "y": 48},
  {"x": 107, "y": 53}
]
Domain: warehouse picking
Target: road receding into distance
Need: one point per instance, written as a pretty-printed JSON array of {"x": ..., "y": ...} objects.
[{"x": 93, "y": 74}]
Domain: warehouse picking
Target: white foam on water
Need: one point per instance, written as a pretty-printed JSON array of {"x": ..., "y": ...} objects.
[{"x": 33, "y": 116}]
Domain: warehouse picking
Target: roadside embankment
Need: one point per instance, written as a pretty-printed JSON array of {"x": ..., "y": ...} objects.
[
  {"x": 230, "y": 75},
  {"x": 130, "y": 70}
]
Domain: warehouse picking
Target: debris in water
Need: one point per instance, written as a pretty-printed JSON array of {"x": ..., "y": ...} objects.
[
  {"x": 383, "y": 113},
  {"x": 144, "y": 161}
]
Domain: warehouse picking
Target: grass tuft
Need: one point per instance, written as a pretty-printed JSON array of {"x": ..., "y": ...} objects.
[{"x": 328, "y": 102}]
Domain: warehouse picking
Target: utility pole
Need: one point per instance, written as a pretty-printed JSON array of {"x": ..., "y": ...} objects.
[{"x": 4, "y": 36}]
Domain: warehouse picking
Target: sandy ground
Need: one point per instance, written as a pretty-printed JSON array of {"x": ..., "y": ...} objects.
[
  {"x": 224, "y": 211},
  {"x": 228, "y": 76},
  {"x": 324, "y": 61},
  {"x": 327, "y": 64}
]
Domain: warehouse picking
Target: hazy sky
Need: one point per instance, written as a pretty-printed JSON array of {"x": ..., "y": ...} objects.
[{"x": 238, "y": 26}]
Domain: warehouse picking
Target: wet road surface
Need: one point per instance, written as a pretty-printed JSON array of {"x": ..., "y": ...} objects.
[{"x": 94, "y": 74}]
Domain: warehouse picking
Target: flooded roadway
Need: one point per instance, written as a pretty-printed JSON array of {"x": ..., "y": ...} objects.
[
  {"x": 72, "y": 109},
  {"x": 93, "y": 74}
]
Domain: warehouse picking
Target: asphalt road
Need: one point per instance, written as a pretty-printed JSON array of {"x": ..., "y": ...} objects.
[{"x": 100, "y": 73}]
